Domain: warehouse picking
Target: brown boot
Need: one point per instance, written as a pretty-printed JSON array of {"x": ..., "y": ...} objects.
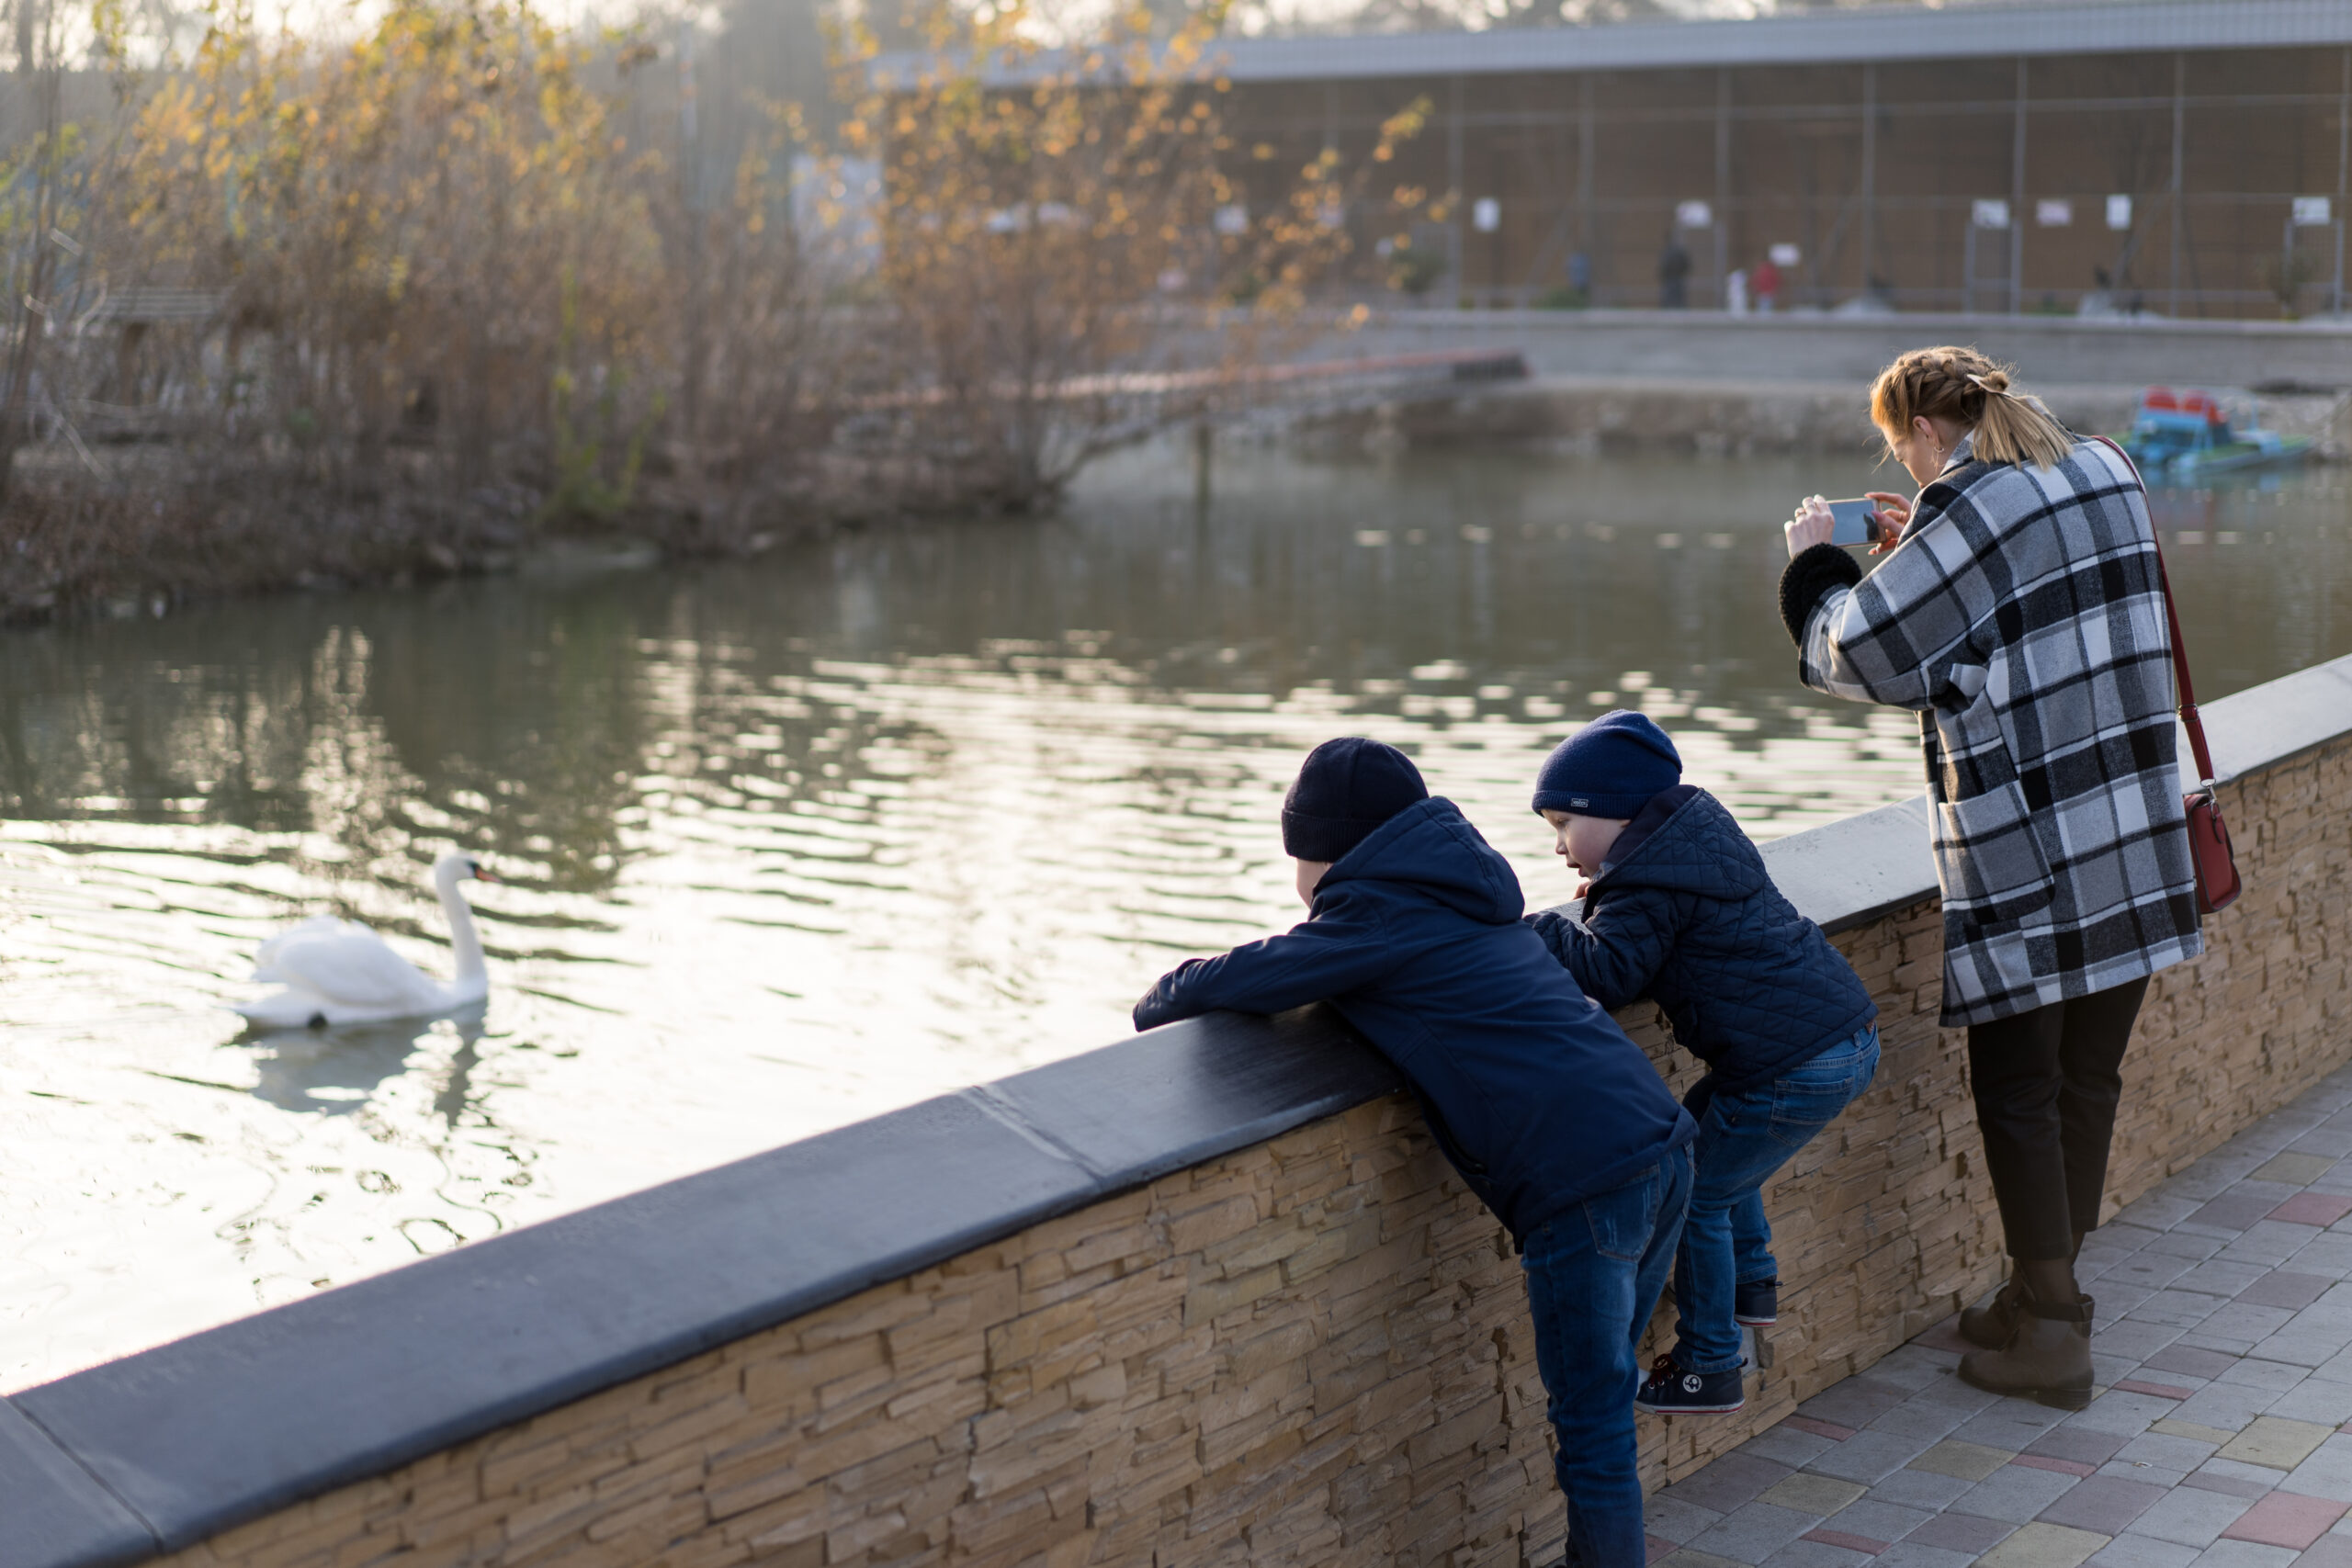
[
  {"x": 1996, "y": 1322},
  {"x": 2048, "y": 1357},
  {"x": 1992, "y": 1323}
]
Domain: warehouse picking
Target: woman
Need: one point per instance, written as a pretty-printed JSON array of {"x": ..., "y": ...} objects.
[{"x": 2020, "y": 611}]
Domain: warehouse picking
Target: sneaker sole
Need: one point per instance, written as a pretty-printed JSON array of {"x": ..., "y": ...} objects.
[
  {"x": 1753, "y": 1322},
  {"x": 1690, "y": 1409}
]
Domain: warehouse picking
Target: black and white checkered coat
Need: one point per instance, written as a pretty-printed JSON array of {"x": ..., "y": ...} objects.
[{"x": 2021, "y": 617}]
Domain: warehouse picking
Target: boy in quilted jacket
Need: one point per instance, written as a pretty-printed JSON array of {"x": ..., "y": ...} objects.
[{"x": 1679, "y": 910}]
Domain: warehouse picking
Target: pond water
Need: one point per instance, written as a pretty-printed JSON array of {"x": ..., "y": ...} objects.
[{"x": 789, "y": 843}]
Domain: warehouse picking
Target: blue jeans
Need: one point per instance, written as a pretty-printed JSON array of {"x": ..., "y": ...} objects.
[
  {"x": 1743, "y": 1139},
  {"x": 1593, "y": 1277}
]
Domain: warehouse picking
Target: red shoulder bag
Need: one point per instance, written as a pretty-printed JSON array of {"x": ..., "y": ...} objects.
[{"x": 2208, "y": 836}]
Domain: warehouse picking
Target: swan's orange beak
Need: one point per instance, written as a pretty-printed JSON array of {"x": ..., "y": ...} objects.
[{"x": 481, "y": 876}]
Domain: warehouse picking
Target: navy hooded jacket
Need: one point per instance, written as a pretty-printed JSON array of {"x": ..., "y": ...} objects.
[
  {"x": 1534, "y": 1093},
  {"x": 1684, "y": 914}
]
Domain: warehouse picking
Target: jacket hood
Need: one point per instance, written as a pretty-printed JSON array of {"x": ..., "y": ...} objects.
[
  {"x": 1686, "y": 842},
  {"x": 1431, "y": 846}
]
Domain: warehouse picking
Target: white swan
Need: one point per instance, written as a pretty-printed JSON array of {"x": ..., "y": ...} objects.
[{"x": 336, "y": 971}]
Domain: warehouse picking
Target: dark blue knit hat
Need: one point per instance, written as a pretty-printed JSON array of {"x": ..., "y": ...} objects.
[
  {"x": 1609, "y": 768},
  {"x": 1344, "y": 790}
]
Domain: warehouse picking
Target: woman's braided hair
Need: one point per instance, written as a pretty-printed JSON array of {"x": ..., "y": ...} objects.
[{"x": 1963, "y": 387}]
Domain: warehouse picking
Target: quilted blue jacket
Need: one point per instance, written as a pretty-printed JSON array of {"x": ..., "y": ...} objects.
[
  {"x": 1683, "y": 914},
  {"x": 1535, "y": 1095}
]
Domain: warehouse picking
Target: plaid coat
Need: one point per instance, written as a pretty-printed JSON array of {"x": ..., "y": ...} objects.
[{"x": 2021, "y": 617}]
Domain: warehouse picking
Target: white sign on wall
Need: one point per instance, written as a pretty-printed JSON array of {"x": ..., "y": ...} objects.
[
  {"x": 1486, "y": 215},
  {"x": 2053, "y": 212},
  {"x": 1786, "y": 255},
  {"x": 1989, "y": 212},
  {"x": 2313, "y": 211},
  {"x": 2118, "y": 214},
  {"x": 1695, "y": 215}
]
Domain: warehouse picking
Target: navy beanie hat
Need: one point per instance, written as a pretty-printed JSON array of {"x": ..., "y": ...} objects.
[
  {"x": 1609, "y": 768},
  {"x": 1344, "y": 790}
]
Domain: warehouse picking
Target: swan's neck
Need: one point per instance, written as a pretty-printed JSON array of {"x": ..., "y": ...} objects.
[{"x": 465, "y": 942}]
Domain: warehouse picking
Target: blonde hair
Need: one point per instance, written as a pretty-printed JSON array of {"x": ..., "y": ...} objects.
[{"x": 1964, "y": 388}]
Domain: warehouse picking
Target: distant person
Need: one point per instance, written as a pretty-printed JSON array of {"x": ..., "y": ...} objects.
[
  {"x": 1766, "y": 286},
  {"x": 1673, "y": 276},
  {"x": 2019, "y": 610},
  {"x": 1580, "y": 276},
  {"x": 1735, "y": 292},
  {"x": 1553, "y": 1118},
  {"x": 1678, "y": 910}
]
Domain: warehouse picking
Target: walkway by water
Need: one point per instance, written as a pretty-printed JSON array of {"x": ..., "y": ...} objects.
[{"x": 2220, "y": 1433}]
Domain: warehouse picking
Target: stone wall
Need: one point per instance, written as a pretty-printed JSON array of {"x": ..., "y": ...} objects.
[{"x": 1315, "y": 1350}]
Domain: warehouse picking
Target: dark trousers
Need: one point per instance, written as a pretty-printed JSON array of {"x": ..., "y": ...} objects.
[{"x": 2046, "y": 1084}]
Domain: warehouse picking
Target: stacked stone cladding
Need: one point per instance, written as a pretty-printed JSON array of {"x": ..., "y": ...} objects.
[{"x": 1315, "y": 1351}]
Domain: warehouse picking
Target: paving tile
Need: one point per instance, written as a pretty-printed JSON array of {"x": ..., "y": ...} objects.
[
  {"x": 1687, "y": 1558},
  {"x": 2232, "y": 1212},
  {"x": 2148, "y": 1268},
  {"x": 1753, "y": 1532},
  {"x": 2179, "y": 1308},
  {"x": 1676, "y": 1521},
  {"x": 2134, "y": 1338},
  {"x": 1830, "y": 1431},
  {"x": 1960, "y": 1532},
  {"x": 1809, "y": 1552},
  {"x": 2142, "y": 1551},
  {"x": 2256, "y": 1372},
  {"x": 2246, "y": 1480},
  {"x": 2196, "y": 1431},
  {"x": 2277, "y": 1441},
  {"x": 2327, "y": 1473},
  {"x": 1905, "y": 1554},
  {"x": 1728, "y": 1482},
  {"x": 2161, "y": 1390},
  {"x": 2189, "y": 1517},
  {"x": 2219, "y": 1277},
  {"x": 1920, "y": 1489},
  {"x": 2044, "y": 1546},
  {"x": 1870, "y": 1454},
  {"x": 2330, "y": 1551},
  {"x": 1878, "y": 1520},
  {"x": 1968, "y": 1461},
  {"x": 2228, "y": 1554},
  {"x": 2294, "y": 1170},
  {"x": 1819, "y": 1495},
  {"x": 2191, "y": 1363},
  {"x": 2170, "y": 1451},
  {"x": 2284, "y": 1288},
  {"x": 2013, "y": 1424},
  {"x": 1784, "y": 1445},
  {"x": 1915, "y": 1367},
  {"x": 1656, "y": 1546},
  {"x": 2062, "y": 1466},
  {"x": 1855, "y": 1403},
  {"x": 2244, "y": 1320},
  {"x": 2227, "y": 1405},
  {"x": 1925, "y": 1418},
  {"x": 2187, "y": 1244},
  {"x": 2320, "y": 1209},
  {"x": 2288, "y": 1520},
  {"x": 2316, "y": 1399},
  {"x": 2016, "y": 1494},
  {"x": 2103, "y": 1504},
  {"x": 1944, "y": 1335},
  {"x": 2077, "y": 1443}
]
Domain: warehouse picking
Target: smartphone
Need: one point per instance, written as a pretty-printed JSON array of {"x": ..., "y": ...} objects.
[{"x": 1857, "y": 522}]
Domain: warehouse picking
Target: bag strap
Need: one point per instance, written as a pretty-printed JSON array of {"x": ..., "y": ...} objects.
[{"x": 2182, "y": 689}]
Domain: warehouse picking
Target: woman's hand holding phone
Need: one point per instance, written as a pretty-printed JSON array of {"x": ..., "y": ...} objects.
[{"x": 1816, "y": 523}]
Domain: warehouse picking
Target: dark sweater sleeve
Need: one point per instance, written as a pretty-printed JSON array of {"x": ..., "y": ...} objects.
[
  {"x": 1812, "y": 574},
  {"x": 1618, "y": 948}
]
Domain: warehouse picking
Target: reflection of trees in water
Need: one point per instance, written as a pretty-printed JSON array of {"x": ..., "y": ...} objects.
[{"x": 555, "y": 720}]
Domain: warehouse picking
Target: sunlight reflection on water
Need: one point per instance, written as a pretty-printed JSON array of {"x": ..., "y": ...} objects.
[{"x": 793, "y": 843}]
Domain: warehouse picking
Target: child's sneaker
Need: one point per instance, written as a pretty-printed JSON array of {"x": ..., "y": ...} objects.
[
  {"x": 1755, "y": 1305},
  {"x": 1670, "y": 1391}
]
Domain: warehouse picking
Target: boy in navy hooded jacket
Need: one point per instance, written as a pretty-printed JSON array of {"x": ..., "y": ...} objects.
[
  {"x": 1681, "y": 911},
  {"x": 1553, "y": 1116}
]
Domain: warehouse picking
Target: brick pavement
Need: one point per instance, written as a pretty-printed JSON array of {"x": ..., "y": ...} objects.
[{"x": 2220, "y": 1433}]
